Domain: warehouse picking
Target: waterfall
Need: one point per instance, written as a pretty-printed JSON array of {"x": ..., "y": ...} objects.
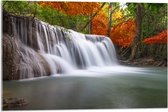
[{"x": 45, "y": 49}]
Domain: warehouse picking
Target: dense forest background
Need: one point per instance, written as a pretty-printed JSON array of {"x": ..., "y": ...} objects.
[{"x": 138, "y": 30}]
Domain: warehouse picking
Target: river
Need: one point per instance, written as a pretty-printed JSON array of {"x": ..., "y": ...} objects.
[{"x": 94, "y": 88}]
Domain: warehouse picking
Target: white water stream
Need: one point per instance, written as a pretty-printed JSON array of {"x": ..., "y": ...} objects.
[{"x": 47, "y": 50}]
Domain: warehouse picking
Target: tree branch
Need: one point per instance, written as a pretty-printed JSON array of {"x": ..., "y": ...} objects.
[{"x": 93, "y": 16}]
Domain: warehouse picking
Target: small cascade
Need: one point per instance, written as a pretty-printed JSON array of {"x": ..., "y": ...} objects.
[{"x": 45, "y": 49}]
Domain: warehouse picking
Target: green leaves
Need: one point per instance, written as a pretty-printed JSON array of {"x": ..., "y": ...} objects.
[
  {"x": 131, "y": 9},
  {"x": 47, "y": 14},
  {"x": 23, "y": 8}
]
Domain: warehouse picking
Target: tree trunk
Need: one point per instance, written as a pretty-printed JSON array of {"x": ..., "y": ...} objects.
[
  {"x": 139, "y": 16},
  {"x": 90, "y": 25},
  {"x": 110, "y": 19}
]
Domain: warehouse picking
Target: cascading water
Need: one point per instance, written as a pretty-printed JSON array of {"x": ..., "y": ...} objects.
[
  {"x": 32, "y": 48},
  {"x": 45, "y": 49}
]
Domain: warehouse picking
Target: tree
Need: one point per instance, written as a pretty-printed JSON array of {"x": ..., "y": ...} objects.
[
  {"x": 154, "y": 21},
  {"x": 123, "y": 33},
  {"x": 110, "y": 18},
  {"x": 77, "y": 9},
  {"x": 22, "y": 8},
  {"x": 74, "y": 8},
  {"x": 100, "y": 24},
  {"x": 139, "y": 13},
  {"x": 92, "y": 16}
]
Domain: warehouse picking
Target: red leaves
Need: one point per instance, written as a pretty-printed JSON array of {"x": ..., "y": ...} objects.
[
  {"x": 159, "y": 38},
  {"x": 100, "y": 24},
  {"x": 123, "y": 33},
  {"x": 74, "y": 8}
]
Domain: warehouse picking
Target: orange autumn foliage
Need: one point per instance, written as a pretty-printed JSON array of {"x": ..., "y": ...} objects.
[
  {"x": 74, "y": 8},
  {"x": 100, "y": 24},
  {"x": 123, "y": 33},
  {"x": 159, "y": 38}
]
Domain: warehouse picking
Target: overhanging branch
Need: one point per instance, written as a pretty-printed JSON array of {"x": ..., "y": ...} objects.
[{"x": 93, "y": 16}]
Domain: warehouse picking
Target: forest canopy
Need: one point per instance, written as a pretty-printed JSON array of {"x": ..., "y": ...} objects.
[{"x": 127, "y": 25}]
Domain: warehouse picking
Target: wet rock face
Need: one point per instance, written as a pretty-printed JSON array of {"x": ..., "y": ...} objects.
[
  {"x": 19, "y": 60},
  {"x": 10, "y": 58}
]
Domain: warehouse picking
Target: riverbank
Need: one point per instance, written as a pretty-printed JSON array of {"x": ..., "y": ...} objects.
[{"x": 147, "y": 61}]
